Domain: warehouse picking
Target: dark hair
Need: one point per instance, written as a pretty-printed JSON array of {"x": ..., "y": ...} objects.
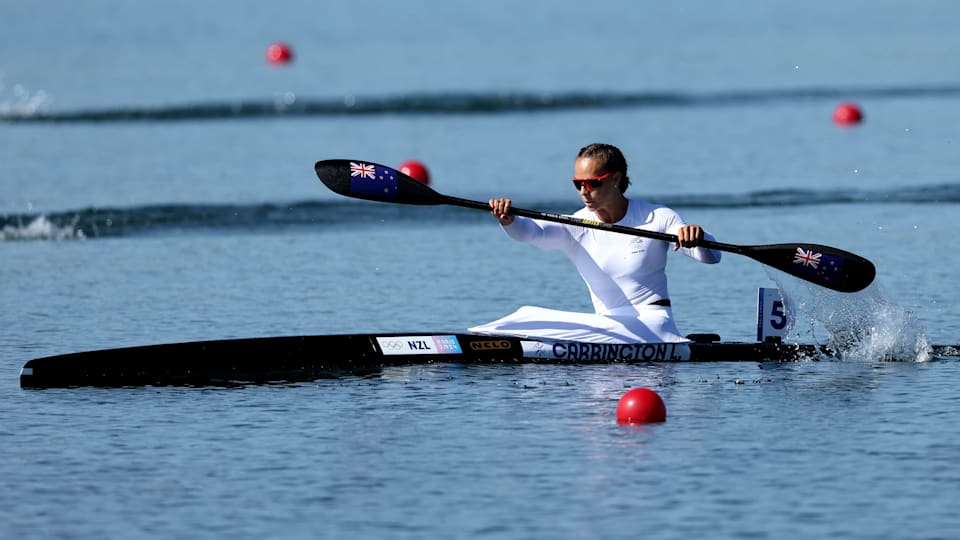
[{"x": 611, "y": 160}]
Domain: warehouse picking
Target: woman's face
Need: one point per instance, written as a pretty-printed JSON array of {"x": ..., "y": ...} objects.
[{"x": 607, "y": 190}]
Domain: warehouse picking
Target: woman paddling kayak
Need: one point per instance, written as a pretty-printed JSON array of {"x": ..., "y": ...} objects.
[{"x": 626, "y": 275}]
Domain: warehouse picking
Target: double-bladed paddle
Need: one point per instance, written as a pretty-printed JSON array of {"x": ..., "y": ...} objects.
[{"x": 823, "y": 265}]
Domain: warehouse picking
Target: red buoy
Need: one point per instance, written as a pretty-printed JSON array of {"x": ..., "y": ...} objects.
[
  {"x": 416, "y": 170},
  {"x": 847, "y": 114},
  {"x": 279, "y": 53},
  {"x": 641, "y": 406}
]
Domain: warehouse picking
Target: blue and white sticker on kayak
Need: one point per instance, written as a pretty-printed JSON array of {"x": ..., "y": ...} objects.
[
  {"x": 407, "y": 345},
  {"x": 606, "y": 352}
]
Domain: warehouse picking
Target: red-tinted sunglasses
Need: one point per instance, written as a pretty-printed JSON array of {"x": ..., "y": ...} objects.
[{"x": 590, "y": 183}]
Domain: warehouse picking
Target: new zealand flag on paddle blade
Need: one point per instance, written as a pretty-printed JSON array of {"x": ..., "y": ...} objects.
[
  {"x": 820, "y": 266},
  {"x": 369, "y": 179}
]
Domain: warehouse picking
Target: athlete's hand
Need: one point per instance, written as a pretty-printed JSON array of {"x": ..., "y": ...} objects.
[
  {"x": 500, "y": 208},
  {"x": 689, "y": 236}
]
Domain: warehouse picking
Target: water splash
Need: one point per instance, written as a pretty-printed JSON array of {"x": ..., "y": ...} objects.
[
  {"x": 862, "y": 326},
  {"x": 18, "y": 100},
  {"x": 41, "y": 228}
]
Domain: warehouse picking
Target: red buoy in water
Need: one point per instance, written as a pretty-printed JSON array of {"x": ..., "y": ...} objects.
[
  {"x": 847, "y": 114},
  {"x": 416, "y": 170},
  {"x": 641, "y": 406},
  {"x": 279, "y": 53}
]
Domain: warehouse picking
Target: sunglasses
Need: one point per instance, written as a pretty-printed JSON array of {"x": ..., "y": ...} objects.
[{"x": 590, "y": 183}]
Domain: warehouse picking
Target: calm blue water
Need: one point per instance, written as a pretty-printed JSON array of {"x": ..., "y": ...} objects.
[{"x": 157, "y": 185}]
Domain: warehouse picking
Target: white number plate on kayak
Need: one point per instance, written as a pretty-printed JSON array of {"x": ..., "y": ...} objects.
[{"x": 771, "y": 314}]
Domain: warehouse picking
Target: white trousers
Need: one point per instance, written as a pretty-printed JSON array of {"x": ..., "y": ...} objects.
[{"x": 648, "y": 324}]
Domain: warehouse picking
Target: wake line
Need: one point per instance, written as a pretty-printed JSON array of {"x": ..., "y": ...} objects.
[
  {"x": 468, "y": 103},
  {"x": 172, "y": 219}
]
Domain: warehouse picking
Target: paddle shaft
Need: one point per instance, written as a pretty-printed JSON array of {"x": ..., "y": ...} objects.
[{"x": 570, "y": 220}]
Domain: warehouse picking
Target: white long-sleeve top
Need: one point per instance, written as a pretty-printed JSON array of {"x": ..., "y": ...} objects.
[{"x": 621, "y": 271}]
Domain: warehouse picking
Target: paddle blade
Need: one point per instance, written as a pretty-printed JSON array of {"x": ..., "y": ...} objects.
[
  {"x": 375, "y": 182},
  {"x": 824, "y": 265}
]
